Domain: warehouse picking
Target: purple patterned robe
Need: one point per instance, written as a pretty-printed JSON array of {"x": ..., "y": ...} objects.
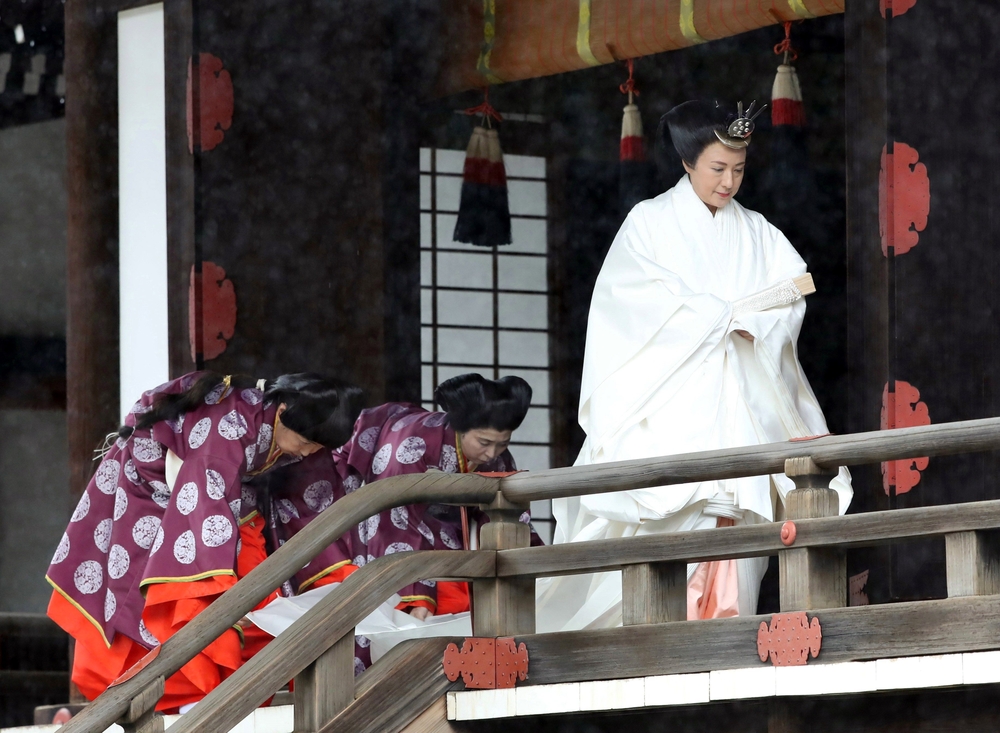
[{"x": 130, "y": 529}]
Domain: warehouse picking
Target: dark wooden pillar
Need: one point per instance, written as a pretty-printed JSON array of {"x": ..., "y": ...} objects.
[{"x": 92, "y": 232}]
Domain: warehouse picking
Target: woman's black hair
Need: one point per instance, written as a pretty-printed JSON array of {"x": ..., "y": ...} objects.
[
  {"x": 320, "y": 409},
  {"x": 687, "y": 130},
  {"x": 474, "y": 402}
]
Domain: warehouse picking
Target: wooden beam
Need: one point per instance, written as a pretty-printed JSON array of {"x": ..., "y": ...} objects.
[
  {"x": 855, "y": 530},
  {"x": 654, "y": 593},
  {"x": 394, "y": 693},
  {"x": 973, "y": 563},
  {"x": 328, "y": 621},
  {"x": 970, "y": 436},
  {"x": 849, "y": 634},
  {"x": 325, "y": 687}
]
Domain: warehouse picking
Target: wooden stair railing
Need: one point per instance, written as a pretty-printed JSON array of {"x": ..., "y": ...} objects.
[{"x": 506, "y": 598}]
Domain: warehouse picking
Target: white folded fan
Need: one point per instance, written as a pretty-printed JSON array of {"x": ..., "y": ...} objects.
[{"x": 384, "y": 628}]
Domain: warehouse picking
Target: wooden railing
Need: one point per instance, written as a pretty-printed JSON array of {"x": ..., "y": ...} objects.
[{"x": 318, "y": 649}]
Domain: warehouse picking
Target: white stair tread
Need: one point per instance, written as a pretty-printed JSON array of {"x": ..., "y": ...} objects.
[
  {"x": 279, "y": 719},
  {"x": 901, "y": 673}
]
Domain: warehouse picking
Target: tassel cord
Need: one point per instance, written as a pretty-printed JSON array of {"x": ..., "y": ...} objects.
[
  {"x": 485, "y": 109},
  {"x": 628, "y": 87},
  {"x": 785, "y": 46}
]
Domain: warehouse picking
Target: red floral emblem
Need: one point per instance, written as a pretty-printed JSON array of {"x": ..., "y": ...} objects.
[
  {"x": 789, "y": 640},
  {"x": 215, "y": 111},
  {"x": 218, "y": 311},
  {"x": 902, "y": 408},
  {"x": 486, "y": 664},
  {"x": 898, "y": 7},
  {"x": 904, "y": 199}
]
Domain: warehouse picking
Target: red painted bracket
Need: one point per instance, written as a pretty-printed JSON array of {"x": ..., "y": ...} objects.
[
  {"x": 789, "y": 640},
  {"x": 215, "y": 110},
  {"x": 486, "y": 664},
  {"x": 902, "y": 408},
  {"x": 904, "y": 199}
]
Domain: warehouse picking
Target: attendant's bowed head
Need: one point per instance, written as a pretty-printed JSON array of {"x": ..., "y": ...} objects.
[
  {"x": 484, "y": 412},
  {"x": 314, "y": 411},
  {"x": 712, "y": 144}
]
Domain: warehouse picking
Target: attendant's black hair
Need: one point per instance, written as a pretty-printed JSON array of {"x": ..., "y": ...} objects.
[
  {"x": 687, "y": 130},
  {"x": 474, "y": 402},
  {"x": 320, "y": 409}
]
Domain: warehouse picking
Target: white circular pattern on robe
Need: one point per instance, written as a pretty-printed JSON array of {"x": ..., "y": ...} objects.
[
  {"x": 286, "y": 589},
  {"x": 426, "y": 532},
  {"x": 363, "y": 641},
  {"x": 371, "y": 558},
  {"x": 400, "y": 517},
  {"x": 145, "y": 531},
  {"x": 110, "y": 605},
  {"x": 381, "y": 460},
  {"x": 212, "y": 398},
  {"x": 236, "y": 506},
  {"x": 264, "y": 439},
  {"x": 187, "y": 498},
  {"x": 177, "y": 424},
  {"x": 138, "y": 408},
  {"x": 120, "y": 442},
  {"x": 147, "y": 636},
  {"x": 395, "y": 410},
  {"x": 449, "y": 541},
  {"x": 368, "y": 528},
  {"x": 118, "y": 561},
  {"x": 216, "y": 530},
  {"x": 351, "y": 484},
  {"x": 215, "y": 485},
  {"x": 130, "y": 473},
  {"x": 233, "y": 426},
  {"x": 161, "y": 493},
  {"x": 107, "y": 476},
  {"x": 102, "y": 535},
  {"x": 435, "y": 420},
  {"x": 184, "y": 548},
  {"x": 318, "y": 496},
  {"x": 411, "y": 450},
  {"x": 239, "y": 547},
  {"x": 360, "y": 561},
  {"x": 429, "y": 583},
  {"x": 395, "y": 547},
  {"x": 121, "y": 503},
  {"x": 525, "y": 518},
  {"x": 199, "y": 432},
  {"x": 147, "y": 450},
  {"x": 62, "y": 551},
  {"x": 368, "y": 439},
  {"x": 359, "y": 666},
  {"x": 248, "y": 495},
  {"x": 252, "y": 396},
  {"x": 404, "y": 422},
  {"x": 449, "y": 459},
  {"x": 287, "y": 511},
  {"x": 82, "y": 509},
  {"x": 158, "y": 542},
  {"x": 250, "y": 452},
  {"x": 88, "y": 577}
]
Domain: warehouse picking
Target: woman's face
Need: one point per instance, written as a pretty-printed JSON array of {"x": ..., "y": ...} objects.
[
  {"x": 482, "y": 445},
  {"x": 717, "y": 174},
  {"x": 291, "y": 443}
]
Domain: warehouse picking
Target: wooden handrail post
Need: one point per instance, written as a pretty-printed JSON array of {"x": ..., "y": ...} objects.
[
  {"x": 811, "y": 578},
  {"x": 503, "y": 606},
  {"x": 142, "y": 716},
  {"x": 654, "y": 593},
  {"x": 973, "y": 563},
  {"x": 325, "y": 687}
]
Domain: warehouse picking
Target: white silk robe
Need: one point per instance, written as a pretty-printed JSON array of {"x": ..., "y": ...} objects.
[{"x": 665, "y": 372}]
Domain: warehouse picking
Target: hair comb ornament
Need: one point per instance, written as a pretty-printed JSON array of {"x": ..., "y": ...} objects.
[{"x": 737, "y": 135}]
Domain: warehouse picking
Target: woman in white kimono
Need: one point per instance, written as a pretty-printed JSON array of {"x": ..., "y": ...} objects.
[{"x": 685, "y": 353}]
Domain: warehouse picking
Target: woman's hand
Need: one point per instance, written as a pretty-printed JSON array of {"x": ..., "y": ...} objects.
[
  {"x": 745, "y": 334},
  {"x": 419, "y": 612}
]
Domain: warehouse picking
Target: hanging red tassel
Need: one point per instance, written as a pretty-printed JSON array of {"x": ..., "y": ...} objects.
[
  {"x": 633, "y": 145},
  {"x": 786, "y": 94},
  {"x": 484, "y": 209}
]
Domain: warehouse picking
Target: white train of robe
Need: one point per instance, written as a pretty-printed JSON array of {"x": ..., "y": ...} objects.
[{"x": 665, "y": 373}]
